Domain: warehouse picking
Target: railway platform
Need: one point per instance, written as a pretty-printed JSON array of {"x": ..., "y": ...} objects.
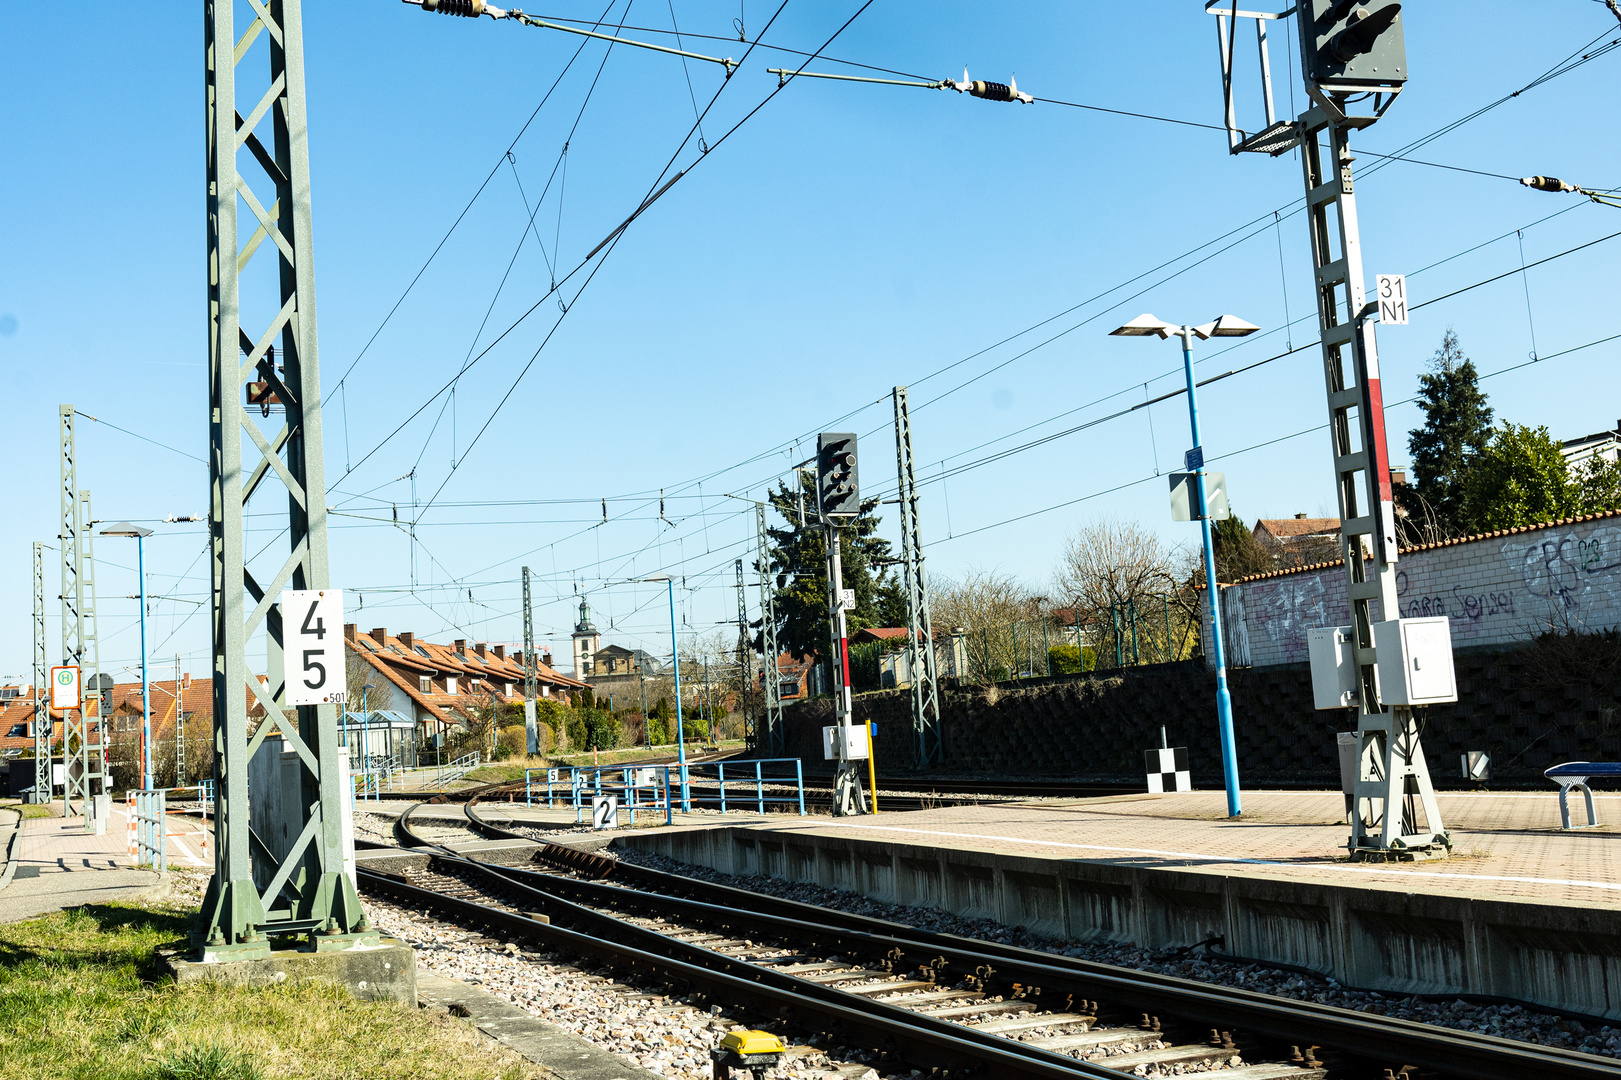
[
  {"x": 1522, "y": 910},
  {"x": 57, "y": 865}
]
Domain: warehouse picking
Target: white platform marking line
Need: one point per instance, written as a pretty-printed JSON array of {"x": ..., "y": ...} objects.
[
  {"x": 191, "y": 856},
  {"x": 1251, "y": 862}
]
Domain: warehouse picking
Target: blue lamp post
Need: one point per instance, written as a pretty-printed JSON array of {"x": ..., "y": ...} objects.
[
  {"x": 1225, "y": 326},
  {"x": 124, "y": 528},
  {"x": 675, "y": 653}
]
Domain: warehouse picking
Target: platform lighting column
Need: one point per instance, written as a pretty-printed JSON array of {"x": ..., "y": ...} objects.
[
  {"x": 124, "y": 528},
  {"x": 675, "y": 654},
  {"x": 1225, "y": 326},
  {"x": 365, "y": 726}
]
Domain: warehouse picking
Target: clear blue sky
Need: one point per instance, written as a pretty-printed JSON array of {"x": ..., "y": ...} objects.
[{"x": 845, "y": 239}]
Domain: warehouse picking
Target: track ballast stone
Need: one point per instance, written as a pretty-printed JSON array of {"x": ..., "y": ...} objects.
[{"x": 1504, "y": 1021}]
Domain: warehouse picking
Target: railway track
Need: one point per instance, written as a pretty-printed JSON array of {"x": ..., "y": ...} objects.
[{"x": 946, "y": 1002}]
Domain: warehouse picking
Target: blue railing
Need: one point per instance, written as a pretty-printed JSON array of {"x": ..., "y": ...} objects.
[{"x": 725, "y": 785}]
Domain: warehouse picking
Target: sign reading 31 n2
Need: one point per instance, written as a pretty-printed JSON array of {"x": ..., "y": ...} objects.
[{"x": 312, "y": 646}]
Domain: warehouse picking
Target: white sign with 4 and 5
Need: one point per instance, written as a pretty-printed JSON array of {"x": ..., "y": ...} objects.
[{"x": 312, "y": 646}]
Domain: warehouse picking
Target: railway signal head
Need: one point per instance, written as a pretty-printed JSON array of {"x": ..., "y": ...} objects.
[
  {"x": 837, "y": 497},
  {"x": 1354, "y": 45}
]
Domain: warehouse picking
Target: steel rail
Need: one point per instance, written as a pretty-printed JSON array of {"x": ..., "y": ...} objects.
[
  {"x": 923, "y": 1040},
  {"x": 1397, "y": 1042}
]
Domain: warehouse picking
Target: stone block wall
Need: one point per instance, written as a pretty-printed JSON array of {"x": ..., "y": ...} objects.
[{"x": 1529, "y": 708}]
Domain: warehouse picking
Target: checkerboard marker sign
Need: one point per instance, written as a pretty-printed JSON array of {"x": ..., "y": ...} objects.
[{"x": 1168, "y": 770}]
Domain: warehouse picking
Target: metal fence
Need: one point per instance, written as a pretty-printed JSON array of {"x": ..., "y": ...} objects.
[
  {"x": 1154, "y": 629},
  {"x": 661, "y": 789},
  {"x": 147, "y": 813}
]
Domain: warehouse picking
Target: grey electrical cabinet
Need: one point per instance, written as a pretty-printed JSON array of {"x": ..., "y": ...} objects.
[
  {"x": 1333, "y": 666},
  {"x": 1415, "y": 661}
]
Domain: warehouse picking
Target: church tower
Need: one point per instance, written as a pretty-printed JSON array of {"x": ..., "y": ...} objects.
[{"x": 586, "y": 643}]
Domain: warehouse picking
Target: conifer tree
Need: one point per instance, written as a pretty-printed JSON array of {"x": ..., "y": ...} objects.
[
  {"x": 798, "y": 561},
  {"x": 1457, "y": 427}
]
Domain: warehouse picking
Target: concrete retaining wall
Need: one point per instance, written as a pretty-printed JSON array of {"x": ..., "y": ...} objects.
[
  {"x": 1529, "y": 708},
  {"x": 1554, "y": 954}
]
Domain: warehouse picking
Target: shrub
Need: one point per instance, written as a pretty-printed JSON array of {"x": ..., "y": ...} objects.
[{"x": 1070, "y": 660}]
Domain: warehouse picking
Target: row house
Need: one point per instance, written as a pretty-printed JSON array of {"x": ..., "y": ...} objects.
[{"x": 437, "y": 687}]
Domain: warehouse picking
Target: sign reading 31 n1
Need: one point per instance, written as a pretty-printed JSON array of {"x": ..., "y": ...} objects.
[
  {"x": 312, "y": 646},
  {"x": 1392, "y": 290}
]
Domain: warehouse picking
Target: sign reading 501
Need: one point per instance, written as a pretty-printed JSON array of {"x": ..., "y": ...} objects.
[{"x": 312, "y": 646}]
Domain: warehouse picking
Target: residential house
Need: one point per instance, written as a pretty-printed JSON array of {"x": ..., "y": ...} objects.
[
  {"x": 618, "y": 673},
  {"x": 618, "y": 660},
  {"x": 950, "y": 653},
  {"x": 1601, "y": 446},
  {"x": 1281, "y": 534},
  {"x": 16, "y": 719},
  {"x": 195, "y": 697},
  {"x": 798, "y": 677},
  {"x": 439, "y": 686}
]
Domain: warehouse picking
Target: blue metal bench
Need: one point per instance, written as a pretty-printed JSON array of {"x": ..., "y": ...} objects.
[{"x": 1574, "y": 774}]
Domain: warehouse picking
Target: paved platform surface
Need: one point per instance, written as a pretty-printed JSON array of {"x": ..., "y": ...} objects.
[
  {"x": 59, "y": 866},
  {"x": 1506, "y": 845}
]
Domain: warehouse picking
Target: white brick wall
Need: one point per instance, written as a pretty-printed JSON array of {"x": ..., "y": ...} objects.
[{"x": 1496, "y": 590}]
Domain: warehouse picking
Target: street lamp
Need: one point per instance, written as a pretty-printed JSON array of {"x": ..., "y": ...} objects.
[
  {"x": 365, "y": 729},
  {"x": 1225, "y": 326},
  {"x": 124, "y": 528},
  {"x": 675, "y": 653}
]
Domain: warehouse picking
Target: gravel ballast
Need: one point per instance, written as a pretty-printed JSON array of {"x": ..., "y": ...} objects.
[{"x": 1505, "y": 1021}]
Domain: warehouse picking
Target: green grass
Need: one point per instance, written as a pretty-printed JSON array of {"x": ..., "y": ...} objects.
[
  {"x": 29, "y": 809},
  {"x": 505, "y": 772},
  {"x": 635, "y": 753},
  {"x": 501, "y": 774},
  {"x": 83, "y": 995}
]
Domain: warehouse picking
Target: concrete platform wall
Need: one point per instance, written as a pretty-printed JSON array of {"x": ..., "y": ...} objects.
[{"x": 1558, "y": 955}]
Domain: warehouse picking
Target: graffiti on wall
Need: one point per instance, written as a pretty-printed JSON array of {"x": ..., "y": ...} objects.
[
  {"x": 1493, "y": 591},
  {"x": 1575, "y": 580}
]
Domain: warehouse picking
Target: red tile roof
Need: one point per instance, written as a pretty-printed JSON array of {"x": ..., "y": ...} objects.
[
  {"x": 404, "y": 659},
  {"x": 1439, "y": 544},
  {"x": 1292, "y": 528}
]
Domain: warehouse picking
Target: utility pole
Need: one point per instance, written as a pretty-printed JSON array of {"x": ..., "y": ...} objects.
[
  {"x": 79, "y": 762},
  {"x": 531, "y": 733},
  {"x": 42, "y": 715},
  {"x": 179, "y": 727},
  {"x": 838, "y": 503},
  {"x": 920, "y": 625},
  {"x": 773, "y": 738},
  {"x": 745, "y": 669},
  {"x": 1355, "y": 55},
  {"x": 304, "y": 889}
]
